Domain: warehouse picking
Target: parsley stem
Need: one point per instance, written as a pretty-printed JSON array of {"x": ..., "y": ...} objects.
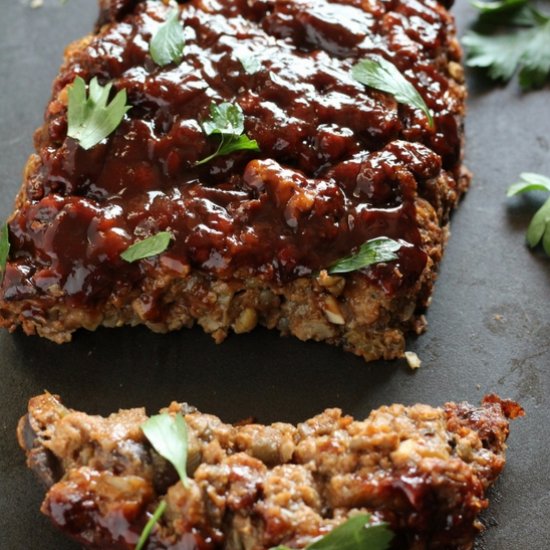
[
  {"x": 227, "y": 121},
  {"x": 213, "y": 155},
  {"x": 158, "y": 513}
]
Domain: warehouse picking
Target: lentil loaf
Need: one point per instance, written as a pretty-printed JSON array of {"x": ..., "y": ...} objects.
[
  {"x": 421, "y": 469},
  {"x": 253, "y": 232}
]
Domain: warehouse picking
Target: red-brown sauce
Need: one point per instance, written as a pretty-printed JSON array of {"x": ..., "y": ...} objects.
[{"x": 330, "y": 174}]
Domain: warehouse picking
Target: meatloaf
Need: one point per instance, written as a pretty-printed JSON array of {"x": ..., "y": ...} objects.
[
  {"x": 422, "y": 470},
  {"x": 253, "y": 232}
]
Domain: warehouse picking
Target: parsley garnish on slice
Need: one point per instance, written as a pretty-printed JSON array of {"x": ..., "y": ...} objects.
[
  {"x": 355, "y": 534},
  {"x": 158, "y": 513},
  {"x": 151, "y": 246},
  {"x": 512, "y": 35},
  {"x": 380, "y": 74},
  {"x": 4, "y": 249},
  {"x": 372, "y": 252},
  {"x": 539, "y": 228},
  {"x": 227, "y": 121},
  {"x": 167, "y": 44},
  {"x": 91, "y": 119},
  {"x": 168, "y": 436}
]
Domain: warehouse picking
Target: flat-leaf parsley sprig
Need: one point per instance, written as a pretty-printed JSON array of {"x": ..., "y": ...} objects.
[
  {"x": 374, "y": 251},
  {"x": 168, "y": 435},
  {"x": 357, "y": 533},
  {"x": 512, "y": 35},
  {"x": 146, "y": 248},
  {"x": 250, "y": 63},
  {"x": 90, "y": 118},
  {"x": 227, "y": 121},
  {"x": 539, "y": 228},
  {"x": 380, "y": 74},
  {"x": 168, "y": 42}
]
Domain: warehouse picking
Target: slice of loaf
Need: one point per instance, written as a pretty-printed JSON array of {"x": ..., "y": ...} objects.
[{"x": 422, "y": 470}]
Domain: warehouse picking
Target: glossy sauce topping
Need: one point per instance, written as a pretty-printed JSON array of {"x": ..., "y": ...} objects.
[{"x": 339, "y": 163}]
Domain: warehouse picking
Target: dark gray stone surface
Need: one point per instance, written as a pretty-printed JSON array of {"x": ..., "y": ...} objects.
[{"x": 489, "y": 322}]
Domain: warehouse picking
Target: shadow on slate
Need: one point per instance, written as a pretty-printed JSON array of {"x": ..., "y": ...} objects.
[{"x": 129, "y": 367}]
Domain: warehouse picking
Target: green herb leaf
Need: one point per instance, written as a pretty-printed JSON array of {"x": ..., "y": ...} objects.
[
  {"x": 227, "y": 120},
  {"x": 241, "y": 143},
  {"x": 525, "y": 15},
  {"x": 507, "y": 12},
  {"x": 168, "y": 436},
  {"x": 251, "y": 64},
  {"x": 500, "y": 55},
  {"x": 372, "y": 252},
  {"x": 530, "y": 182},
  {"x": 161, "y": 508},
  {"x": 167, "y": 44},
  {"x": 498, "y": 6},
  {"x": 513, "y": 36},
  {"x": 539, "y": 228},
  {"x": 151, "y": 246},
  {"x": 382, "y": 75},
  {"x": 355, "y": 534},
  {"x": 91, "y": 119},
  {"x": 4, "y": 249}
]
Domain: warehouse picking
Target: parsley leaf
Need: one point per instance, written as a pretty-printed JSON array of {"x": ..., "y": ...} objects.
[
  {"x": 530, "y": 182},
  {"x": 498, "y": 6},
  {"x": 372, "y": 252},
  {"x": 506, "y": 12},
  {"x": 251, "y": 64},
  {"x": 168, "y": 436},
  {"x": 90, "y": 119},
  {"x": 227, "y": 121},
  {"x": 158, "y": 513},
  {"x": 539, "y": 228},
  {"x": 167, "y": 44},
  {"x": 355, "y": 534},
  {"x": 225, "y": 118},
  {"x": 151, "y": 246},
  {"x": 499, "y": 54},
  {"x": 238, "y": 143},
  {"x": 4, "y": 249},
  {"x": 382, "y": 75},
  {"x": 513, "y": 36}
]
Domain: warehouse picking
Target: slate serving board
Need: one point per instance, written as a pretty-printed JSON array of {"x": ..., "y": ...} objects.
[{"x": 489, "y": 322}]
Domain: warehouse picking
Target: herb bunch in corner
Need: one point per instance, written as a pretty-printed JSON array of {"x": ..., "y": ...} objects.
[{"x": 511, "y": 36}]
